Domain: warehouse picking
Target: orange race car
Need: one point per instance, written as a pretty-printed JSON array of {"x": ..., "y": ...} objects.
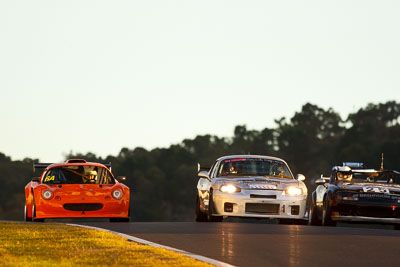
[{"x": 74, "y": 189}]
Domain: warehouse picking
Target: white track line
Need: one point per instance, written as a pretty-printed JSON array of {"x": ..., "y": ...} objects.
[{"x": 149, "y": 243}]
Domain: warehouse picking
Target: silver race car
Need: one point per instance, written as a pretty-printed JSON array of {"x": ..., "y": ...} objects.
[{"x": 250, "y": 186}]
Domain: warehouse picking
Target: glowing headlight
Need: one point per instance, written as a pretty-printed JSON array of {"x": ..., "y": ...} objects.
[
  {"x": 117, "y": 194},
  {"x": 294, "y": 191},
  {"x": 47, "y": 194},
  {"x": 229, "y": 188}
]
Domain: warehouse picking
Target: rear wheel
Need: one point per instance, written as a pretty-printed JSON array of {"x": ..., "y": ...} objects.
[
  {"x": 326, "y": 214},
  {"x": 199, "y": 215},
  {"x": 210, "y": 217}
]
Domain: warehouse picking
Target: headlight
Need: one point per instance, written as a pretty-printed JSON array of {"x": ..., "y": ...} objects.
[
  {"x": 229, "y": 188},
  {"x": 117, "y": 194},
  {"x": 47, "y": 194},
  {"x": 294, "y": 191}
]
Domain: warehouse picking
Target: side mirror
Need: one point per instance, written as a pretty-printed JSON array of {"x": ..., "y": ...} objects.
[
  {"x": 121, "y": 179},
  {"x": 320, "y": 181},
  {"x": 36, "y": 179},
  {"x": 300, "y": 177},
  {"x": 203, "y": 174}
]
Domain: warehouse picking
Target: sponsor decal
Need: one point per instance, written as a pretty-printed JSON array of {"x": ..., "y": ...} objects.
[
  {"x": 378, "y": 196},
  {"x": 262, "y": 186},
  {"x": 372, "y": 189}
]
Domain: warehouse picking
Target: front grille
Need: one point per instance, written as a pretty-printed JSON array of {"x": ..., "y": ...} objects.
[
  {"x": 262, "y": 208},
  {"x": 83, "y": 206},
  {"x": 262, "y": 196}
]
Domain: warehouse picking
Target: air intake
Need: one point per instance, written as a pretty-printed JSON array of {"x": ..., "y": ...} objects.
[{"x": 76, "y": 161}]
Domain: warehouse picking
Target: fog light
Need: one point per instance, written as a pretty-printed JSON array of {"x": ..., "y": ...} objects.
[
  {"x": 228, "y": 207},
  {"x": 295, "y": 210}
]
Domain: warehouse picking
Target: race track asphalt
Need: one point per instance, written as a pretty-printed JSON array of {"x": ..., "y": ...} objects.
[{"x": 255, "y": 244}]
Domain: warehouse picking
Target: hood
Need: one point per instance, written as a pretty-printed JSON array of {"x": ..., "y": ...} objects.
[
  {"x": 276, "y": 183},
  {"x": 370, "y": 187}
]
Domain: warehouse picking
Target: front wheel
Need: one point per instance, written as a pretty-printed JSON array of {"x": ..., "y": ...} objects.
[
  {"x": 326, "y": 214},
  {"x": 26, "y": 217},
  {"x": 119, "y": 219},
  {"x": 210, "y": 217},
  {"x": 313, "y": 216},
  {"x": 199, "y": 215},
  {"x": 34, "y": 212}
]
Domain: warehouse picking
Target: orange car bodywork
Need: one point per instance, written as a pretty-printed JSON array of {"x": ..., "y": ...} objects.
[{"x": 76, "y": 200}]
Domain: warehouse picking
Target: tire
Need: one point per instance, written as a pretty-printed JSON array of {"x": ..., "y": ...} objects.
[
  {"x": 34, "y": 212},
  {"x": 26, "y": 218},
  {"x": 199, "y": 215},
  {"x": 313, "y": 216},
  {"x": 326, "y": 214},
  {"x": 119, "y": 219},
  {"x": 210, "y": 217}
]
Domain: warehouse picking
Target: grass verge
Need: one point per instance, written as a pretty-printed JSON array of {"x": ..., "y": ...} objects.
[{"x": 48, "y": 244}]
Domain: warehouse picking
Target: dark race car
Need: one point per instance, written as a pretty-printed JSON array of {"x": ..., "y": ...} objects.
[{"x": 355, "y": 194}]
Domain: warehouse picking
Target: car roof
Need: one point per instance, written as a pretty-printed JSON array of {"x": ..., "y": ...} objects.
[{"x": 249, "y": 157}]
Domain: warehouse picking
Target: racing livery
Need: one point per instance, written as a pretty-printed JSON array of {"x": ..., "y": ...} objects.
[
  {"x": 250, "y": 186},
  {"x": 355, "y": 194},
  {"x": 76, "y": 188}
]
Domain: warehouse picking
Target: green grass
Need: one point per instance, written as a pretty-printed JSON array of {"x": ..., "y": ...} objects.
[{"x": 49, "y": 244}]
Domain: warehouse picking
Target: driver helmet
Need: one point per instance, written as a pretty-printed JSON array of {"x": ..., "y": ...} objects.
[
  {"x": 91, "y": 176},
  {"x": 344, "y": 176}
]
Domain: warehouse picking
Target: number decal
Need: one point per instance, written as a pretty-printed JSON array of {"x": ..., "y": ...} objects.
[
  {"x": 49, "y": 178},
  {"x": 371, "y": 189}
]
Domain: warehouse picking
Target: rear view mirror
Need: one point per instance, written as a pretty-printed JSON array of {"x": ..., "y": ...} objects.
[
  {"x": 36, "y": 179},
  {"x": 300, "y": 177},
  {"x": 203, "y": 174},
  {"x": 121, "y": 179}
]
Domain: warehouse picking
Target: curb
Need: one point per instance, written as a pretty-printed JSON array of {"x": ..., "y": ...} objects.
[{"x": 149, "y": 243}]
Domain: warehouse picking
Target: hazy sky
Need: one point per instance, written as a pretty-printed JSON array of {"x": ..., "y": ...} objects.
[{"x": 101, "y": 75}]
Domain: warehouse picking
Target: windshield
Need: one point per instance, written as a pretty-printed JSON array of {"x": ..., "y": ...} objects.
[
  {"x": 254, "y": 167},
  {"x": 386, "y": 177},
  {"x": 78, "y": 175}
]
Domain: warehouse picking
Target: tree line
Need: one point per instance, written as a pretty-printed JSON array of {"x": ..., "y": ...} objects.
[{"x": 163, "y": 180}]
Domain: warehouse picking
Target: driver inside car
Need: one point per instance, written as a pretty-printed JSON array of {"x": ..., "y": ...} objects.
[
  {"x": 90, "y": 177},
  {"x": 345, "y": 177}
]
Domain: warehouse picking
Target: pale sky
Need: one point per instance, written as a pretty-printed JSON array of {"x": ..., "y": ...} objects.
[{"x": 96, "y": 76}]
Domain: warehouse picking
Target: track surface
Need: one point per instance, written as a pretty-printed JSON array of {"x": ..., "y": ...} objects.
[{"x": 250, "y": 244}]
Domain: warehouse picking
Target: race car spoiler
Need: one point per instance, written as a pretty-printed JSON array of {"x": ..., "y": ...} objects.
[
  {"x": 45, "y": 165},
  {"x": 40, "y": 165}
]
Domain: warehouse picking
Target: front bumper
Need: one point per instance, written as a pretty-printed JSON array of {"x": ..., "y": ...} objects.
[
  {"x": 92, "y": 208},
  {"x": 259, "y": 204},
  {"x": 366, "y": 219},
  {"x": 366, "y": 211}
]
